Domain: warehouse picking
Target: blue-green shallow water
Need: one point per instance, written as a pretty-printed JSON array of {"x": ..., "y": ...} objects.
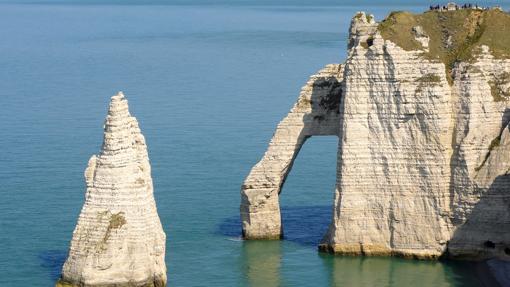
[{"x": 208, "y": 84}]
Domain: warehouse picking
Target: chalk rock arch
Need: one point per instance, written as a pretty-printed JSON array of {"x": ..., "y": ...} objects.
[
  {"x": 422, "y": 163},
  {"x": 316, "y": 112}
]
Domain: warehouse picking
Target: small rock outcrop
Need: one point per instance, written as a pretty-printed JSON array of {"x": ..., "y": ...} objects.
[
  {"x": 421, "y": 108},
  {"x": 118, "y": 240}
]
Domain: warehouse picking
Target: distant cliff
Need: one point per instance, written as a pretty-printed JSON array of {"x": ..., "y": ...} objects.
[{"x": 421, "y": 108}]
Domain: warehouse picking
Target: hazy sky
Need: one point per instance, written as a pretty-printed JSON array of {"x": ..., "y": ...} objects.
[{"x": 504, "y": 3}]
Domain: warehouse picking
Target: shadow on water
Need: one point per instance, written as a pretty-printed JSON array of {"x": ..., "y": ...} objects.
[
  {"x": 305, "y": 225},
  {"x": 52, "y": 261}
]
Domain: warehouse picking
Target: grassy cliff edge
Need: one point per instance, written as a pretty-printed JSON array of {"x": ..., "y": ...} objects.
[{"x": 454, "y": 36}]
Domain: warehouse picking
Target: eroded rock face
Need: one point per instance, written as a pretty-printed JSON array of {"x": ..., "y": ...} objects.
[
  {"x": 422, "y": 163},
  {"x": 118, "y": 240}
]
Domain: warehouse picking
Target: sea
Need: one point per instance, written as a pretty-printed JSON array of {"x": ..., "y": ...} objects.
[{"x": 208, "y": 82}]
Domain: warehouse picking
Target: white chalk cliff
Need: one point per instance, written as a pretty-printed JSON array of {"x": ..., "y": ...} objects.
[
  {"x": 118, "y": 240},
  {"x": 423, "y": 153}
]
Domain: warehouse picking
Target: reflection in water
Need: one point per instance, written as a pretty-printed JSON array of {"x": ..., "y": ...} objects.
[
  {"x": 396, "y": 272},
  {"x": 261, "y": 263}
]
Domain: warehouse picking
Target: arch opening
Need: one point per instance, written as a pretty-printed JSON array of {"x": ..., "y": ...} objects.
[
  {"x": 316, "y": 113},
  {"x": 306, "y": 198}
]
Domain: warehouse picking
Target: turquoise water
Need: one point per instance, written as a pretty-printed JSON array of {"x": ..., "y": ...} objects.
[{"x": 208, "y": 84}]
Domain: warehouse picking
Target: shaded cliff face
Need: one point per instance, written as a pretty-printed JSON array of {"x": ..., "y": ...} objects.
[
  {"x": 118, "y": 240},
  {"x": 422, "y": 125}
]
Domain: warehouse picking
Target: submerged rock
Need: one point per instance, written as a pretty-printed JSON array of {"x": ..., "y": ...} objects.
[
  {"x": 118, "y": 240},
  {"x": 424, "y": 141}
]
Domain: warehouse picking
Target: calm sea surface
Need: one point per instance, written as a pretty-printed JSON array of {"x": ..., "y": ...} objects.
[{"x": 208, "y": 84}]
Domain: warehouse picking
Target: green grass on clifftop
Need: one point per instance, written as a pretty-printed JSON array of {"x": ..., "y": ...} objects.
[{"x": 454, "y": 35}]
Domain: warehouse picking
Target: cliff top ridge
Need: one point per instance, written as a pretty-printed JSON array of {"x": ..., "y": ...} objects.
[
  {"x": 447, "y": 35},
  {"x": 454, "y": 35}
]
